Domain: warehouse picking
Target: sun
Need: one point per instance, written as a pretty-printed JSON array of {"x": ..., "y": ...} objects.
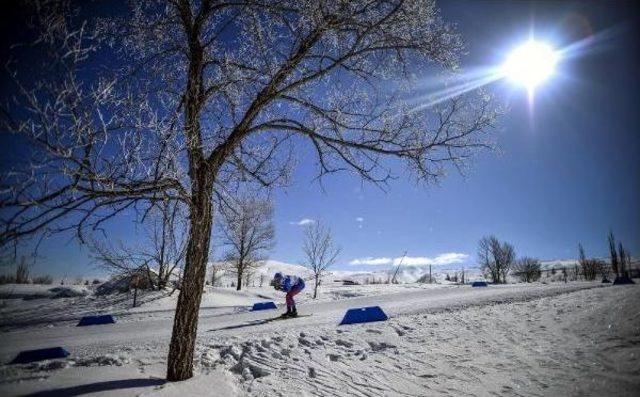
[{"x": 530, "y": 64}]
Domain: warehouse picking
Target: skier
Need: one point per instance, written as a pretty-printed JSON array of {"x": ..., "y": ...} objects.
[{"x": 292, "y": 285}]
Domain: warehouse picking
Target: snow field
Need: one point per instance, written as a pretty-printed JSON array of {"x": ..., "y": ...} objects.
[
  {"x": 548, "y": 340},
  {"x": 570, "y": 344}
]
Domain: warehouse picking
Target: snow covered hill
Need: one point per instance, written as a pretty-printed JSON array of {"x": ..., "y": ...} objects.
[{"x": 406, "y": 274}]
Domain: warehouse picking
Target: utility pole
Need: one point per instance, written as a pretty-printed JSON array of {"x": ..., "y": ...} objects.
[{"x": 393, "y": 279}]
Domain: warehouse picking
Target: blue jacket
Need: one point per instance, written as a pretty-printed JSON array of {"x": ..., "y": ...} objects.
[{"x": 288, "y": 282}]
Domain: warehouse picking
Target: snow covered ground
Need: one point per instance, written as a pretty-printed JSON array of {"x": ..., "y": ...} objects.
[
  {"x": 53, "y": 305},
  {"x": 556, "y": 339}
]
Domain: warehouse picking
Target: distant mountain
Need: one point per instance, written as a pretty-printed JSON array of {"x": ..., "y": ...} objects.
[
  {"x": 262, "y": 274},
  {"x": 406, "y": 274},
  {"x": 271, "y": 267}
]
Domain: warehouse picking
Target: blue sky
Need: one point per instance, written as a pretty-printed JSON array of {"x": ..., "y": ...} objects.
[{"x": 565, "y": 173}]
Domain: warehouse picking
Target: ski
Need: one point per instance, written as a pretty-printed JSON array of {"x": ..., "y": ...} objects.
[{"x": 289, "y": 318}]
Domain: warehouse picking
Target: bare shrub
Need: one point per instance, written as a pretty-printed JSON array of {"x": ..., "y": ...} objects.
[
  {"x": 590, "y": 267},
  {"x": 7, "y": 279},
  {"x": 528, "y": 269},
  {"x": 22, "y": 271},
  {"x": 46, "y": 279}
]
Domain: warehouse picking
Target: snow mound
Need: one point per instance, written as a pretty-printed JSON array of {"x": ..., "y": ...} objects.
[
  {"x": 67, "y": 292},
  {"x": 271, "y": 267},
  {"x": 48, "y": 365},
  {"x": 102, "y": 360},
  {"x": 41, "y": 291}
]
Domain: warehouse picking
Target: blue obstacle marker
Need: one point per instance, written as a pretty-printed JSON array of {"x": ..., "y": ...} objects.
[
  {"x": 364, "y": 315},
  {"x": 96, "y": 320},
  {"x": 479, "y": 284},
  {"x": 263, "y": 306},
  {"x": 29, "y": 356}
]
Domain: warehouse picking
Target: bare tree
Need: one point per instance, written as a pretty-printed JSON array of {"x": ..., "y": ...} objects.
[
  {"x": 202, "y": 97},
  {"x": 605, "y": 270},
  {"x": 218, "y": 269},
  {"x": 247, "y": 233},
  {"x": 528, "y": 269},
  {"x": 496, "y": 258},
  {"x": 625, "y": 260},
  {"x": 160, "y": 257},
  {"x": 590, "y": 267},
  {"x": 320, "y": 250},
  {"x": 615, "y": 262}
]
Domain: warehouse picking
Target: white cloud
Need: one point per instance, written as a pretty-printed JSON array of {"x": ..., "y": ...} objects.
[
  {"x": 371, "y": 261},
  {"x": 448, "y": 258},
  {"x": 303, "y": 222},
  {"x": 359, "y": 219}
]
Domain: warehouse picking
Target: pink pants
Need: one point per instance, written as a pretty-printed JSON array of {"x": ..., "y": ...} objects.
[{"x": 289, "y": 298}]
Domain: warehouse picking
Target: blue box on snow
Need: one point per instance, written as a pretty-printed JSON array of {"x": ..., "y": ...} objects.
[
  {"x": 263, "y": 306},
  {"x": 364, "y": 315},
  {"x": 29, "y": 356},
  {"x": 96, "y": 320}
]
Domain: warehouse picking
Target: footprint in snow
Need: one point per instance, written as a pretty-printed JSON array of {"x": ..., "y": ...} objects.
[
  {"x": 399, "y": 332},
  {"x": 375, "y": 346},
  {"x": 345, "y": 343}
]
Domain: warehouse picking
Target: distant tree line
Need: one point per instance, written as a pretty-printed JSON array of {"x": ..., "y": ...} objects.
[
  {"x": 22, "y": 275},
  {"x": 497, "y": 260}
]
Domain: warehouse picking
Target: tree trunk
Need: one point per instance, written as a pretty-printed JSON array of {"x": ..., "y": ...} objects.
[
  {"x": 185, "y": 324},
  {"x": 239, "y": 285},
  {"x": 135, "y": 296},
  {"x": 161, "y": 283},
  {"x": 315, "y": 288}
]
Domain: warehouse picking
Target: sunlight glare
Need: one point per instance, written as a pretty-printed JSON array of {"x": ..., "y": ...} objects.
[{"x": 530, "y": 64}]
